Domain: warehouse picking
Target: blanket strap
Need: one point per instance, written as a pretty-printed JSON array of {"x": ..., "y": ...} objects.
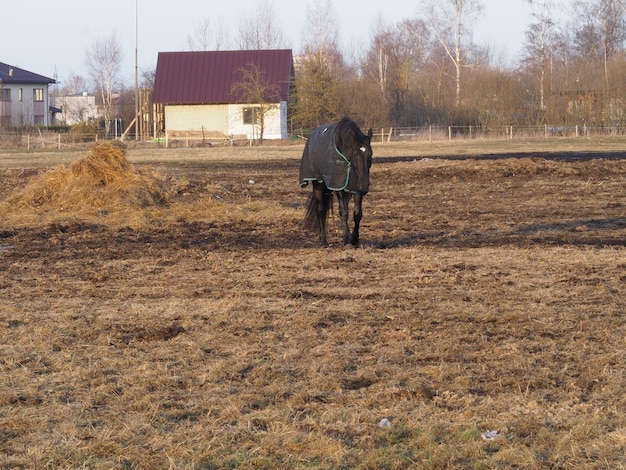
[{"x": 345, "y": 160}]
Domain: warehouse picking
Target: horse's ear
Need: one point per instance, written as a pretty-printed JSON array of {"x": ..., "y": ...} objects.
[{"x": 370, "y": 134}]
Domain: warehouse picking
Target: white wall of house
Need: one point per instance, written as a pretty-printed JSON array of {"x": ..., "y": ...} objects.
[
  {"x": 197, "y": 118},
  {"x": 227, "y": 119},
  {"x": 28, "y": 104},
  {"x": 275, "y": 122}
]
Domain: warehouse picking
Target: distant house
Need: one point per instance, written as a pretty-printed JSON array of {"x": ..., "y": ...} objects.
[
  {"x": 24, "y": 98},
  {"x": 77, "y": 108},
  {"x": 198, "y": 92}
]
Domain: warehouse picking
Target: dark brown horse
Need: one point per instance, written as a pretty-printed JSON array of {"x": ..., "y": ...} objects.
[{"x": 336, "y": 159}]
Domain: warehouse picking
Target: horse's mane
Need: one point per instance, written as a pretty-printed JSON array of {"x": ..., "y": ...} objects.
[
  {"x": 349, "y": 132},
  {"x": 347, "y": 124}
]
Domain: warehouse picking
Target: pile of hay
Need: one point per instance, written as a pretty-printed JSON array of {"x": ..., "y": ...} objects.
[{"x": 104, "y": 179}]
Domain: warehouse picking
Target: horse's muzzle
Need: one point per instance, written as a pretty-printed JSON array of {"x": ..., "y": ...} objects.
[{"x": 363, "y": 185}]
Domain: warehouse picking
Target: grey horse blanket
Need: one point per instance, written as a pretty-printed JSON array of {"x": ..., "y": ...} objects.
[{"x": 324, "y": 163}]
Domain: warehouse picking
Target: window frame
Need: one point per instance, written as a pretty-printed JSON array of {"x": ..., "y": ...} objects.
[{"x": 251, "y": 115}]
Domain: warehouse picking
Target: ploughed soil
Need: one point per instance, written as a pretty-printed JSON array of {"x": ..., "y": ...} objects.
[{"x": 480, "y": 324}]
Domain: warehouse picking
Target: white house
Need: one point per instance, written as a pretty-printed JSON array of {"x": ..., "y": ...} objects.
[
  {"x": 197, "y": 93},
  {"x": 24, "y": 98},
  {"x": 77, "y": 108}
]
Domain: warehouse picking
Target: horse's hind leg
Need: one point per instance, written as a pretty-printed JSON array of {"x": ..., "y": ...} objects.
[
  {"x": 322, "y": 196},
  {"x": 317, "y": 211}
]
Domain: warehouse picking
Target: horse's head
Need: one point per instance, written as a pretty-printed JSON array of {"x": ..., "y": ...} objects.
[
  {"x": 361, "y": 158},
  {"x": 355, "y": 147}
]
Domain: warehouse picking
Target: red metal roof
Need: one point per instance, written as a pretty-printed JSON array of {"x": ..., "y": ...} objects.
[{"x": 207, "y": 77}]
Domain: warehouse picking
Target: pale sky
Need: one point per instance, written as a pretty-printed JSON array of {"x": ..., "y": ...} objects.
[{"x": 51, "y": 38}]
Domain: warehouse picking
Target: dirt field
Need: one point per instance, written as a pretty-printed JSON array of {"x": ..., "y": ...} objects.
[{"x": 480, "y": 325}]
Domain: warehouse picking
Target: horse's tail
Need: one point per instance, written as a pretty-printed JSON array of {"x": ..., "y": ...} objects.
[{"x": 317, "y": 210}]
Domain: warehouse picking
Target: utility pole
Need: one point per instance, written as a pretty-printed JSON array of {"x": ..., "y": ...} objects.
[{"x": 137, "y": 126}]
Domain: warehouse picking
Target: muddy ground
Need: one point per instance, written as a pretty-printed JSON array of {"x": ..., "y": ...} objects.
[{"x": 213, "y": 332}]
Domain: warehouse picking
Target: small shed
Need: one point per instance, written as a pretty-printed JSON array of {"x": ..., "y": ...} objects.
[{"x": 203, "y": 93}]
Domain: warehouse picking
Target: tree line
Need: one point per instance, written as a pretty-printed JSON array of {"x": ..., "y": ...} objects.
[{"x": 427, "y": 70}]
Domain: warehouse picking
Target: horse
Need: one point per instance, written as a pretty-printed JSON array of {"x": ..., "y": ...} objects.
[{"x": 336, "y": 159}]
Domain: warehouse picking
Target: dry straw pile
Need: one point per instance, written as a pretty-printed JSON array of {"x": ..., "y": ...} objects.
[{"x": 102, "y": 180}]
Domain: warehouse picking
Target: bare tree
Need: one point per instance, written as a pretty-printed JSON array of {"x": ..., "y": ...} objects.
[
  {"x": 539, "y": 46},
  {"x": 147, "y": 78},
  {"x": 261, "y": 94},
  {"x": 73, "y": 85},
  {"x": 395, "y": 57},
  {"x": 602, "y": 29},
  {"x": 259, "y": 31},
  {"x": 104, "y": 60},
  {"x": 320, "y": 69},
  {"x": 451, "y": 21},
  {"x": 206, "y": 37},
  {"x": 322, "y": 35}
]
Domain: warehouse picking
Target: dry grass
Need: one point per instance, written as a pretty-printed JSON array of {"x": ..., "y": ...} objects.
[
  {"x": 103, "y": 180},
  {"x": 213, "y": 333}
]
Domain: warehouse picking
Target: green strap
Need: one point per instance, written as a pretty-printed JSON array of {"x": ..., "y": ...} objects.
[
  {"x": 340, "y": 162},
  {"x": 340, "y": 154}
]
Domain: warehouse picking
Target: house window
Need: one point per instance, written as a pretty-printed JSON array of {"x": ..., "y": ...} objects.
[
  {"x": 251, "y": 115},
  {"x": 38, "y": 121},
  {"x": 5, "y": 94},
  {"x": 20, "y": 94},
  {"x": 38, "y": 94}
]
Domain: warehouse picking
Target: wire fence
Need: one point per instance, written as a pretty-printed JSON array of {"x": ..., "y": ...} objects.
[
  {"x": 38, "y": 139},
  {"x": 434, "y": 133}
]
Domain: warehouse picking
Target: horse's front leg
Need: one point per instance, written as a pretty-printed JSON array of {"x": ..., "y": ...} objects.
[
  {"x": 343, "y": 199},
  {"x": 358, "y": 215}
]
